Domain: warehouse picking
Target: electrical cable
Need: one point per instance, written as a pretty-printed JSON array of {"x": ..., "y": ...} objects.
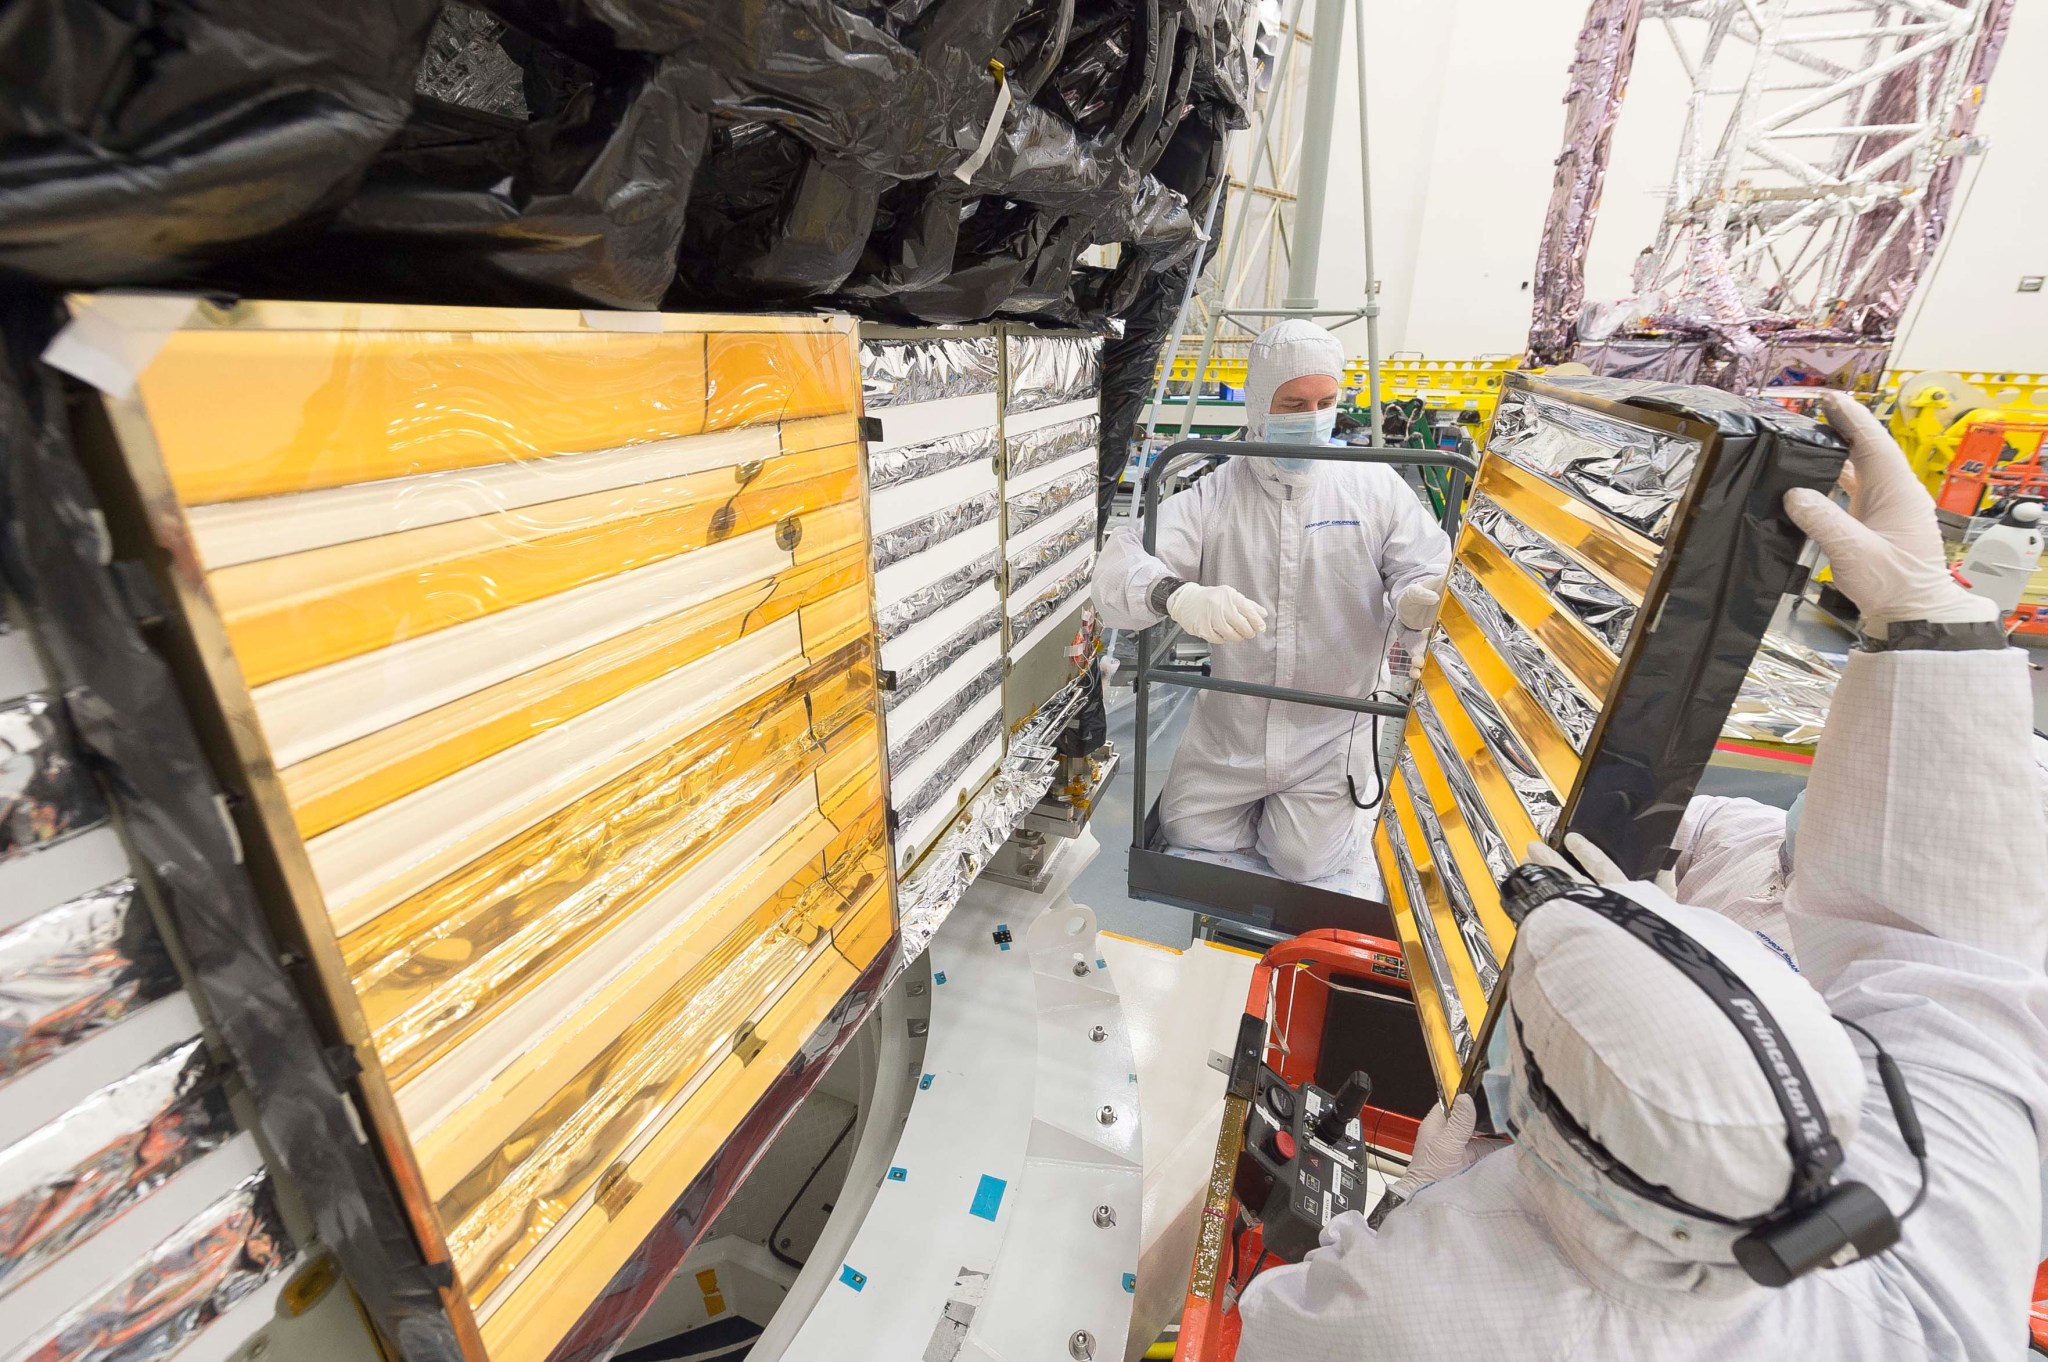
[
  {"x": 1903, "y": 1111},
  {"x": 1351, "y": 737},
  {"x": 776, "y": 1233}
]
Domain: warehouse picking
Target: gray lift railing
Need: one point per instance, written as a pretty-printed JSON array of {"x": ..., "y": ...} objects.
[{"x": 1261, "y": 901}]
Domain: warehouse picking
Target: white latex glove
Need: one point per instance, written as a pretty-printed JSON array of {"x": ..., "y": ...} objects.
[
  {"x": 1886, "y": 548},
  {"x": 1219, "y": 614},
  {"x": 1592, "y": 861},
  {"x": 1417, "y": 604},
  {"x": 1442, "y": 1147}
]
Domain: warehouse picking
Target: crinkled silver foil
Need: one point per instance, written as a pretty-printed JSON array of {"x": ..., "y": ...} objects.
[
  {"x": 1634, "y": 473},
  {"x": 190, "y": 1280},
  {"x": 1048, "y": 370},
  {"x": 913, "y": 678},
  {"x": 1785, "y": 696},
  {"x": 1037, "y": 448},
  {"x": 1425, "y": 931},
  {"x": 1494, "y": 847},
  {"x": 907, "y": 463},
  {"x": 1463, "y": 909},
  {"x": 1665, "y": 361},
  {"x": 1028, "y": 563},
  {"x": 1047, "y": 602},
  {"x": 897, "y": 373},
  {"x": 917, "y": 606},
  {"x": 1598, "y": 606},
  {"x": 1028, "y": 508},
  {"x": 67, "y": 972},
  {"x": 1547, "y": 681},
  {"x": 464, "y": 64},
  {"x": 910, "y": 746},
  {"x": 893, "y": 546},
  {"x": 940, "y": 784},
  {"x": 45, "y": 794},
  {"x": 928, "y": 893},
  {"x": 1593, "y": 94},
  {"x": 1539, "y": 801},
  {"x": 61, "y": 1183}
]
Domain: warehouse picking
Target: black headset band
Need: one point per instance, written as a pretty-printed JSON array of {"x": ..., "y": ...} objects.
[{"x": 1816, "y": 1153}]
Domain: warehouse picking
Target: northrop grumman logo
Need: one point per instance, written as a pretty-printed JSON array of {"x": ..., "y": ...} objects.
[{"x": 1774, "y": 1055}]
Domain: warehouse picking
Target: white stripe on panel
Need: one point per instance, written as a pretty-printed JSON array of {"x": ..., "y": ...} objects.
[
  {"x": 898, "y": 580},
  {"x": 96, "y": 1264},
  {"x": 666, "y": 916},
  {"x": 915, "y": 709},
  {"x": 51, "y": 1088},
  {"x": 405, "y": 845},
  {"x": 1037, "y": 477},
  {"x": 905, "y": 502},
  {"x": 310, "y": 713},
  {"x": 945, "y": 746},
  {"x": 907, "y": 425},
  {"x": 913, "y": 841},
  {"x": 40, "y": 880},
  {"x": 1018, "y": 422},
  {"x": 232, "y": 532},
  {"x": 929, "y": 634}
]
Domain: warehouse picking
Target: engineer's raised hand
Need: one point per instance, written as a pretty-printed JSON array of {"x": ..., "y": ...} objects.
[
  {"x": 1219, "y": 614},
  {"x": 1886, "y": 548}
]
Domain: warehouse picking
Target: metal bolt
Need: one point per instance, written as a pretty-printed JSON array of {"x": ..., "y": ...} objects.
[
  {"x": 1105, "y": 1216},
  {"x": 1081, "y": 1346},
  {"x": 1098, "y": 1034},
  {"x": 1080, "y": 969},
  {"x": 1107, "y": 1116},
  {"x": 917, "y": 990}
]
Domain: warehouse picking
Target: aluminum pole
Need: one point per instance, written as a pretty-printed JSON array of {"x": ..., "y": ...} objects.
[
  {"x": 1243, "y": 217},
  {"x": 1180, "y": 316},
  {"x": 1325, "y": 65},
  {"x": 1372, "y": 278}
]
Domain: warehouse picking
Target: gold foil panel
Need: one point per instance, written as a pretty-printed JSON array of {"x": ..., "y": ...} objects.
[
  {"x": 585, "y": 852},
  {"x": 289, "y": 615},
  {"x": 1584, "y": 657},
  {"x": 256, "y": 412},
  {"x": 1627, "y": 560}
]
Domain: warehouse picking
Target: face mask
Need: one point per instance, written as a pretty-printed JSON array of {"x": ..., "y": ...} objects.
[
  {"x": 1494, "y": 1082},
  {"x": 1300, "y": 428}
]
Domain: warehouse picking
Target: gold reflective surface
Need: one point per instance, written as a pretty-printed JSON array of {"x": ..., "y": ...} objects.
[{"x": 567, "y": 993}]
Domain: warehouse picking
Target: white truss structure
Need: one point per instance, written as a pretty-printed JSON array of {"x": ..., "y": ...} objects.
[{"x": 1812, "y": 134}]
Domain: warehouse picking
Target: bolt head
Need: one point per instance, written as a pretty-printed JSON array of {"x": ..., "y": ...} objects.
[
  {"x": 1107, "y": 1116},
  {"x": 1081, "y": 1346},
  {"x": 1105, "y": 1216},
  {"x": 1099, "y": 1034},
  {"x": 1080, "y": 969}
]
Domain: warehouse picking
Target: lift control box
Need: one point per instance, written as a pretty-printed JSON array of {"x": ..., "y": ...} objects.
[{"x": 1303, "y": 1161}]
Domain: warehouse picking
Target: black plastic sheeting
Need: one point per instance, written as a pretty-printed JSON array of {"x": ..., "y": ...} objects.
[
  {"x": 614, "y": 153},
  {"x": 143, "y": 142},
  {"x": 102, "y": 626},
  {"x": 1722, "y": 582}
]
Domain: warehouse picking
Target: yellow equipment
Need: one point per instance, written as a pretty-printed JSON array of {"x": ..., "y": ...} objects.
[{"x": 1933, "y": 410}]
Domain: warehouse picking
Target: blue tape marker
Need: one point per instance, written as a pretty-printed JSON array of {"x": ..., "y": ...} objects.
[
  {"x": 856, "y": 1280},
  {"x": 1102, "y": 964},
  {"x": 988, "y": 1197},
  {"x": 939, "y": 978},
  {"x": 924, "y": 1083},
  {"x": 898, "y": 1174},
  {"x": 1131, "y": 1282}
]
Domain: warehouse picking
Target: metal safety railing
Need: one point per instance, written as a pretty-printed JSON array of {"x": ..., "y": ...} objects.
[{"x": 1223, "y": 891}]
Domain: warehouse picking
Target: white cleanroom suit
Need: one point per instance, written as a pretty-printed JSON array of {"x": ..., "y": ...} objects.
[
  {"x": 1321, "y": 550},
  {"x": 1731, "y": 859},
  {"x": 1918, "y": 909}
]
